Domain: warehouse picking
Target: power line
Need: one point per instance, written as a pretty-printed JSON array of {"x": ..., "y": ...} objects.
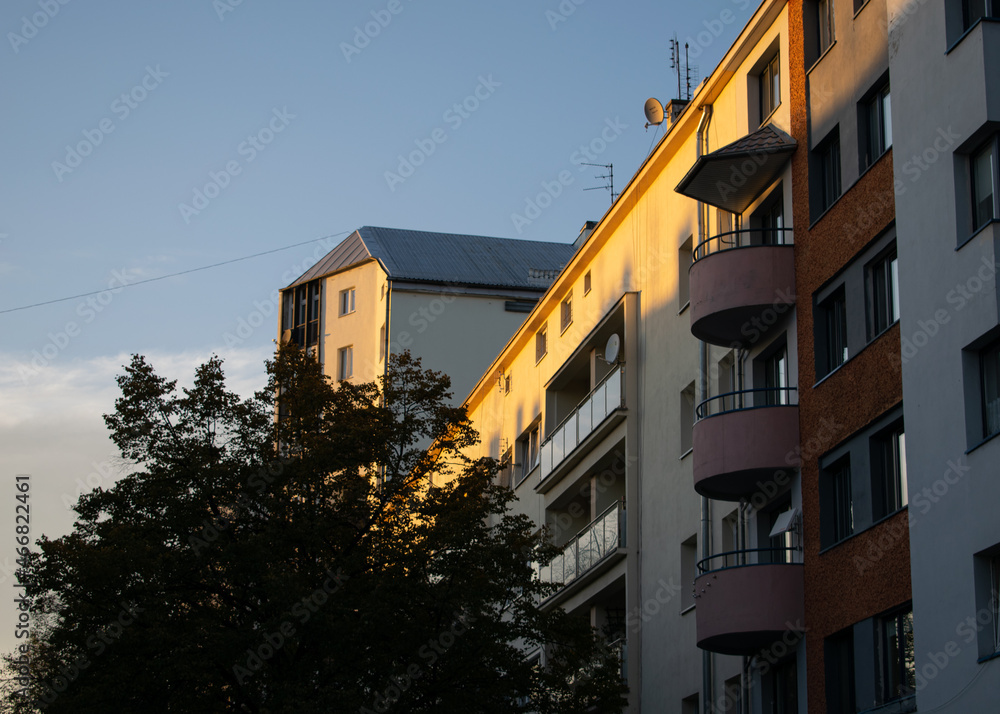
[{"x": 174, "y": 275}]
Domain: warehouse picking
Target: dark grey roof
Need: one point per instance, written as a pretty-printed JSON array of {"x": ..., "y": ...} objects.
[{"x": 448, "y": 258}]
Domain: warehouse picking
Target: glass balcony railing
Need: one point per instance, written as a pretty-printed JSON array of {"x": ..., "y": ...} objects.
[
  {"x": 594, "y": 543},
  {"x": 593, "y": 410}
]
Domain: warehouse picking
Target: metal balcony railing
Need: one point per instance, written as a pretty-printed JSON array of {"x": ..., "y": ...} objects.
[
  {"x": 741, "y": 239},
  {"x": 744, "y": 399},
  {"x": 605, "y": 398},
  {"x": 601, "y": 538},
  {"x": 749, "y": 557}
]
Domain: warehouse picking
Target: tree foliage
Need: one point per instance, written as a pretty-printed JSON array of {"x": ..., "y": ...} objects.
[{"x": 321, "y": 561}]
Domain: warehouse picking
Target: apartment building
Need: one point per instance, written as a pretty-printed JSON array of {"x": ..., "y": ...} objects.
[
  {"x": 452, "y": 300},
  {"x": 646, "y": 409}
]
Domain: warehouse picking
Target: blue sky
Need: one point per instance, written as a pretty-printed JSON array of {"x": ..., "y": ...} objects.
[{"x": 145, "y": 138}]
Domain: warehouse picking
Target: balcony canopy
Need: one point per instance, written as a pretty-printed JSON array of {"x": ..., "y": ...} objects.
[{"x": 731, "y": 178}]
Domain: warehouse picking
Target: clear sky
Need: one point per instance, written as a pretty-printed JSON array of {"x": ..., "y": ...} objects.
[{"x": 143, "y": 139}]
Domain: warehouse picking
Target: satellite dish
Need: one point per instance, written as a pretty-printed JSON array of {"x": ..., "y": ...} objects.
[
  {"x": 654, "y": 111},
  {"x": 611, "y": 349}
]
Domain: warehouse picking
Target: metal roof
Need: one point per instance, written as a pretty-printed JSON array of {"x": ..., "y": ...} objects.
[{"x": 448, "y": 258}]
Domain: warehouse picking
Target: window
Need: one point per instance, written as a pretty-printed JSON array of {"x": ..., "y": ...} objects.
[
  {"x": 687, "y": 418},
  {"x": 770, "y": 88},
  {"x": 566, "y": 313},
  {"x": 784, "y": 540},
  {"x": 768, "y": 222},
  {"x": 727, "y": 384},
  {"x": 689, "y": 705},
  {"x": 586, "y": 283},
  {"x": 505, "y": 477},
  {"x": 824, "y": 25},
  {"x": 776, "y": 377},
  {"x": 989, "y": 369},
  {"x": 832, "y": 326},
  {"x": 827, "y": 171},
  {"x": 876, "y": 129},
  {"x": 781, "y": 691},
  {"x": 345, "y": 362},
  {"x": 381, "y": 343},
  {"x": 897, "y": 667},
  {"x": 732, "y": 701},
  {"x": 506, "y": 384},
  {"x": 837, "y": 507},
  {"x": 838, "y": 657},
  {"x": 983, "y": 165},
  {"x": 300, "y": 313},
  {"x": 689, "y": 571},
  {"x": 346, "y": 301},
  {"x": 541, "y": 348},
  {"x": 974, "y": 10},
  {"x": 888, "y": 454},
  {"x": 858, "y": 4},
  {"x": 684, "y": 256},
  {"x": 527, "y": 448},
  {"x": 882, "y": 293},
  {"x": 987, "y": 573}
]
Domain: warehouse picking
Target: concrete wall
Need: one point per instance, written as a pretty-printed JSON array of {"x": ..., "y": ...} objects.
[{"x": 359, "y": 329}]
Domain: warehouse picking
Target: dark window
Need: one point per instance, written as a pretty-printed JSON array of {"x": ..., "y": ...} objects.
[
  {"x": 527, "y": 447},
  {"x": 989, "y": 360},
  {"x": 888, "y": 453},
  {"x": 776, "y": 377},
  {"x": 832, "y": 331},
  {"x": 770, "y": 88},
  {"x": 828, "y": 171},
  {"x": 897, "y": 667},
  {"x": 300, "y": 313},
  {"x": 877, "y": 112},
  {"x": 566, "y": 313},
  {"x": 345, "y": 362},
  {"x": 768, "y": 221},
  {"x": 825, "y": 25},
  {"x": 838, "y": 658},
  {"x": 541, "y": 348},
  {"x": 882, "y": 292},
  {"x": 687, "y": 417},
  {"x": 505, "y": 477},
  {"x": 837, "y": 509},
  {"x": 974, "y": 10},
  {"x": 782, "y": 688},
  {"x": 586, "y": 283},
  {"x": 347, "y": 301},
  {"x": 984, "y": 174}
]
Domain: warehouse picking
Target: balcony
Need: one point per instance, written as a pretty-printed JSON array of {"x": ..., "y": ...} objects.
[
  {"x": 747, "y": 600},
  {"x": 591, "y": 421},
  {"x": 741, "y": 282},
  {"x": 590, "y": 552},
  {"x": 741, "y": 439}
]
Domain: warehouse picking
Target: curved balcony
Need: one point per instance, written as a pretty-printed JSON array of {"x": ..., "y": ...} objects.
[
  {"x": 741, "y": 282},
  {"x": 749, "y": 599},
  {"x": 741, "y": 439}
]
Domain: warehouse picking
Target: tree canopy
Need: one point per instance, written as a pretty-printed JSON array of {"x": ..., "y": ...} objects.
[{"x": 301, "y": 551}]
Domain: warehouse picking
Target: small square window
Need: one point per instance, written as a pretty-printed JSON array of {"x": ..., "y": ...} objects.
[
  {"x": 989, "y": 370},
  {"x": 566, "y": 313},
  {"x": 877, "y": 128},
  {"x": 586, "y": 283},
  {"x": 888, "y": 469},
  {"x": 831, "y": 327},
  {"x": 346, "y": 301},
  {"x": 770, "y": 88},
  {"x": 837, "y": 507},
  {"x": 882, "y": 292},
  {"x": 345, "y": 362},
  {"x": 984, "y": 175},
  {"x": 897, "y": 666},
  {"x": 541, "y": 347}
]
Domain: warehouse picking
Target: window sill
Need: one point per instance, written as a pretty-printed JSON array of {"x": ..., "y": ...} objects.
[
  {"x": 539, "y": 359},
  {"x": 827, "y": 548},
  {"x": 566, "y": 327},
  {"x": 685, "y": 454},
  {"x": 854, "y": 356},
  {"x": 985, "y": 441},
  {"x": 819, "y": 59},
  {"x": 684, "y": 308},
  {"x": 690, "y": 608},
  {"x": 987, "y": 658},
  {"x": 976, "y": 233},
  {"x": 863, "y": 6},
  {"x": 966, "y": 33},
  {"x": 766, "y": 120}
]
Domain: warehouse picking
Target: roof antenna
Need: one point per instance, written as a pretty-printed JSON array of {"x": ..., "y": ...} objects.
[{"x": 610, "y": 186}]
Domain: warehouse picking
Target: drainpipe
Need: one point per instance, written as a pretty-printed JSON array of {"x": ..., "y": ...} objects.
[{"x": 707, "y": 660}]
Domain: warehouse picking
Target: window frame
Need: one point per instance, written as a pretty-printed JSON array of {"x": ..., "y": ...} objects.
[
  {"x": 838, "y": 508},
  {"x": 990, "y": 10},
  {"x": 345, "y": 363},
  {"x": 832, "y": 311},
  {"x": 529, "y": 451},
  {"x": 769, "y": 87},
  {"x": 825, "y": 8},
  {"x": 346, "y": 303},
  {"x": 566, "y": 313},
  {"x": 829, "y": 174},
  {"x": 541, "y": 343},
  {"x": 886, "y": 677},
  {"x": 885, "y": 264},
  {"x": 877, "y": 127},
  {"x": 838, "y": 656},
  {"x": 586, "y": 283},
  {"x": 887, "y": 450},
  {"x": 990, "y": 146},
  {"x": 989, "y": 353}
]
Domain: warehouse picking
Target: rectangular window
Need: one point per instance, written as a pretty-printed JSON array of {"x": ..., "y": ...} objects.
[
  {"x": 566, "y": 313},
  {"x": 505, "y": 477},
  {"x": 770, "y": 88},
  {"x": 345, "y": 362},
  {"x": 838, "y": 658},
  {"x": 301, "y": 313},
  {"x": 687, "y": 417},
  {"x": 684, "y": 256},
  {"x": 882, "y": 292},
  {"x": 889, "y": 484},
  {"x": 897, "y": 667},
  {"x": 781, "y": 688},
  {"x": 987, "y": 582},
  {"x": 347, "y": 301},
  {"x": 993, "y": 603},
  {"x": 974, "y": 10},
  {"x": 983, "y": 185},
  {"x": 541, "y": 348},
  {"x": 527, "y": 447},
  {"x": 825, "y": 25},
  {"x": 828, "y": 171},
  {"x": 832, "y": 325},
  {"x": 586, "y": 283},
  {"x": 381, "y": 343},
  {"x": 506, "y": 384},
  {"x": 989, "y": 360},
  {"x": 837, "y": 508},
  {"x": 771, "y": 220},
  {"x": 776, "y": 378},
  {"x": 878, "y": 125},
  {"x": 689, "y": 571}
]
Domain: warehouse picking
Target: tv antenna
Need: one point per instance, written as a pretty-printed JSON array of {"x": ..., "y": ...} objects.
[
  {"x": 610, "y": 185},
  {"x": 682, "y": 67}
]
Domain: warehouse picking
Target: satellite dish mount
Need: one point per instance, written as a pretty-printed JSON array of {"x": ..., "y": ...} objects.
[{"x": 612, "y": 349}]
